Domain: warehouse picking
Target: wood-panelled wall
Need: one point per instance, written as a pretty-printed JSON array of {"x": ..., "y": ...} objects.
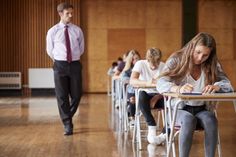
[
  {"x": 218, "y": 18},
  {"x": 111, "y": 27}
]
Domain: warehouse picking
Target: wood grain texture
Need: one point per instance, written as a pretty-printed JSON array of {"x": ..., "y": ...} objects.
[
  {"x": 30, "y": 127},
  {"x": 148, "y": 23}
]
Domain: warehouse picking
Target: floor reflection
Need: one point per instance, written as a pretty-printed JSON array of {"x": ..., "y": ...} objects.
[{"x": 30, "y": 126}]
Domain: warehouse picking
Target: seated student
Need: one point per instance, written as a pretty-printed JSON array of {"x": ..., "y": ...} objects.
[
  {"x": 144, "y": 73},
  {"x": 116, "y": 76},
  {"x": 111, "y": 70},
  {"x": 195, "y": 68},
  {"x": 120, "y": 66},
  {"x": 131, "y": 59}
]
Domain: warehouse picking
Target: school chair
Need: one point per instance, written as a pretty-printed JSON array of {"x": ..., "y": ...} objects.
[
  {"x": 137, "y": 137},
  {"x": 170, "y": 141}
]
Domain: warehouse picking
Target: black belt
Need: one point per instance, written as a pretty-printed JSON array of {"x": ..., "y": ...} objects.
[{"x": 66, "y": 61}]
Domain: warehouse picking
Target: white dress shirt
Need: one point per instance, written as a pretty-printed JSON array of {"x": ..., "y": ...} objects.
[{"x": 56, "y": 47}]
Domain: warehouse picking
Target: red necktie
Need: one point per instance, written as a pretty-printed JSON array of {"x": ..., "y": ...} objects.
[{"x": 68, "y": 49}]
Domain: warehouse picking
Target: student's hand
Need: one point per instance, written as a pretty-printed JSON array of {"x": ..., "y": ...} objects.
[
  {"x": 150, "y": 83},
  {"x": 115, "y": 77},
  {"x": 129, "y": 57},
  {"x": 154, "y": 81},
  {"x": 187, "y": 88},
  {"x": 210, "y": 89},
  {"x": 156, "y": 76}
]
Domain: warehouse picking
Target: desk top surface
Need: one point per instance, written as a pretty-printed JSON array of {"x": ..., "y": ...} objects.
[
  {"x": 144, "y": 86},
  {"x": 203, "y": 96}
]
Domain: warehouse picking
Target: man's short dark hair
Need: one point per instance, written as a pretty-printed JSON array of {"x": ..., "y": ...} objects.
[{"x": 64, "y": 5}]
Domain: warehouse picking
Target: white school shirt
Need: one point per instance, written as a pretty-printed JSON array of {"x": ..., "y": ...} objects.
[
  {"x": 56, "y": 47},
  {"x": 146, "y": 73}
]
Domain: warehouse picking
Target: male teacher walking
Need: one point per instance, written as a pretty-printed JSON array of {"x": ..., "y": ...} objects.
[{"x": 65, "y": 45}]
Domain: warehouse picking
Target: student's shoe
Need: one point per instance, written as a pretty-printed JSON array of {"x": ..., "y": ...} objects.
[
  {"x": 157, "y": 140},
  {"x": 160, "y": 139}
]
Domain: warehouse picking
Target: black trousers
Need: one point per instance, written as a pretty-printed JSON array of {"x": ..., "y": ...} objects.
[
  {"x": 144, "y": 104},
  {"x": 68, "y": 87}
]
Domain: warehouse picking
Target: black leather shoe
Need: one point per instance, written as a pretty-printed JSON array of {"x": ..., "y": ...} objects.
[
  {"x": 68, "y": 133},
  {"x": 68, "y": 130}
]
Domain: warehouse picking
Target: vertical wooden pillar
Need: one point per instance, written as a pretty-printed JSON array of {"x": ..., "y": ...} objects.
[{"x": 190, "y": 21}]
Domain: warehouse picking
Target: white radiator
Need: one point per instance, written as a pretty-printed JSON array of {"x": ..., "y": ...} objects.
[
  {"x": 10, "y": 80},
  {"x": 41, "y": 78}
]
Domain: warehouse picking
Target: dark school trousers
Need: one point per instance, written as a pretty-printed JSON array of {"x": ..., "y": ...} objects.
[{"x": 68, "y": 88}]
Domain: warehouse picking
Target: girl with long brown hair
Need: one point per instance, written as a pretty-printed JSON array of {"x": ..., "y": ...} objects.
[{"x": 195, "y": 68}]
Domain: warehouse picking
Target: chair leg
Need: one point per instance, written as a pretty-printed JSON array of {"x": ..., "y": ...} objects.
[
  {"x": 135, "y": 130},
  {"x": 158, "y": 120},
  {"x": 160, "y": 114},
  {"x": 218, "y": 137},
  {"x": 234, "y": 102},
  {"x": 139, "y": 133},
  {"x": 163, "y": 117},
  {"x": 219, "y": 146}
]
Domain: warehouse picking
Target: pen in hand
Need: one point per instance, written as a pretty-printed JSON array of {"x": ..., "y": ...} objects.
[{"x": 186, "y": 88}]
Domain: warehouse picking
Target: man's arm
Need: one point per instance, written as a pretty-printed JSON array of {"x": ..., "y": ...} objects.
[
  {"x": 49, "y": 44},
  {"x": 81, "y": 42}
]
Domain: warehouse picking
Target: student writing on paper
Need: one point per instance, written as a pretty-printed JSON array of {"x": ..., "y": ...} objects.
[{"x": 195, "y": 68}]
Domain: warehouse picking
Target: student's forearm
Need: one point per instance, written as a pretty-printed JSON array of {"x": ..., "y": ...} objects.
[
  {"x": 137, "y": 82},
  {"x": 175, "y": 89}
]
